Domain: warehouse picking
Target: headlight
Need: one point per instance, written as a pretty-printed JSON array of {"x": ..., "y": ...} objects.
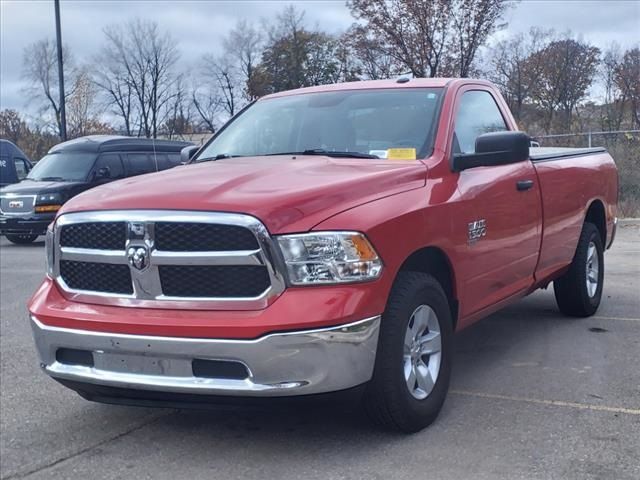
[
  {"x": 49, "y": 248},
  {"x": 48, "y": 203},
  {"x": 329, "y": 257},
  {"x": 49, "y": 199}
]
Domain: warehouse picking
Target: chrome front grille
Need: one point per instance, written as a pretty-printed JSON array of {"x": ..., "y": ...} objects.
[
  {"x": 166, "y": 259},
  {"x": 14, "y": 204}
]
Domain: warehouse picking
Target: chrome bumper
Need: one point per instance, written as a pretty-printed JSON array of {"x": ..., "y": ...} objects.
[{"x": 280, "y": 364}]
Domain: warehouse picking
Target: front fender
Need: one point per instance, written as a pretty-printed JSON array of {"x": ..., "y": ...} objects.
[{"x": 400, "y": 225}]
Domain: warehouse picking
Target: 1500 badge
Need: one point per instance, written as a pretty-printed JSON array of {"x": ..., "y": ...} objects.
[{"x": 477, "y": 230}]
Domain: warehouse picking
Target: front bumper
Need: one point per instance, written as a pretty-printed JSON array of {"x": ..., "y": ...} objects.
[
  {"x": 31, "y": 224},
  {"x": 278, "y": 364}
]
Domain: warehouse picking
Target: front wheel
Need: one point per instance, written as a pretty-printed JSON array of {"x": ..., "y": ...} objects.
[
  {"x": 579, "y": 291},
  {"x": 21, "y": 239},
  {"x": 413, "y": 361}
]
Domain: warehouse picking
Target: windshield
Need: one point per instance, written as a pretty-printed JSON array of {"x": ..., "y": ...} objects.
[
  {"x": 63, "y": 166},
  {"x": 363, "y": 122}
]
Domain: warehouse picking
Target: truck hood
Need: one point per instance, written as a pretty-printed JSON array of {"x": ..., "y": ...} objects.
[{"x": 288, "y": 194}]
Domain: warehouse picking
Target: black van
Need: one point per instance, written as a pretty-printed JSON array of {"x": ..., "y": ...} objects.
[
  {"x": 28, "y": 207},
  {"x": 14, "y": 164}
]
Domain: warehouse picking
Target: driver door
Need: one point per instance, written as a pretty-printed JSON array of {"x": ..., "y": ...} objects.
[{"x": 504, "y": 226}]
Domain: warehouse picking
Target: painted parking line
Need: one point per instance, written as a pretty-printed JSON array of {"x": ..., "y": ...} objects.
[
  {"x": 554, "y": 317},
  {"x": 556, "y": 403},
  {"x": 615, "y": 318}
]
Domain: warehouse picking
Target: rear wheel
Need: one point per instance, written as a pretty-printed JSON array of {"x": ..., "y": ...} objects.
[
  {"x": 21, "y": 239},
  {"x": 413, "y": 361},
  {"x": 579, "y": 291}
]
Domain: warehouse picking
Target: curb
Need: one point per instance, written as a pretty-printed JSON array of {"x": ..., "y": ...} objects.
[{"x": 628, "y": 221}]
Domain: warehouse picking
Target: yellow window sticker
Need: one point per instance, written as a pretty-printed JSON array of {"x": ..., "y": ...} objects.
[{"x": 401, "y": 153}]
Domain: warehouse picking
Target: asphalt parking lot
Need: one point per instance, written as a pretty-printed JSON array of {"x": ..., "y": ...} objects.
[{"x": 534, "y": 396}]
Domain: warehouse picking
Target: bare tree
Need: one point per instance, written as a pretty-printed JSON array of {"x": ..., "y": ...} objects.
[
  {"x": 145, "y": 83},
  {"x": 513, "y": 69},
  {"x": 220, "y": 74},
  {"x": 244, "y": 45},
  {"x": 180, "y": 114},
  {"x": 208, "y": 106},
  {"x": 612, "y": 111},
  {"x": 40, "y": 70},
  {"x": 473, "y": 22},
  {"x": 112, "y": 78}
]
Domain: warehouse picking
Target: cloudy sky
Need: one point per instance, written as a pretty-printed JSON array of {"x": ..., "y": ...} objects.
[{"x": 199, "y": 26}]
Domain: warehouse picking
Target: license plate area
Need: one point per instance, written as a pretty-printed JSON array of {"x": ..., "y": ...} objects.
[{"x": 142, "y": 364}]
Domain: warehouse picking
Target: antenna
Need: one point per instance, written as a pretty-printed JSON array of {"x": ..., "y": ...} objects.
[{"x": 155, "y": 157}]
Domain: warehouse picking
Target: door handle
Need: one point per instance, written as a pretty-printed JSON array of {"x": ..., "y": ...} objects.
[{"x": 523, "y": 185}]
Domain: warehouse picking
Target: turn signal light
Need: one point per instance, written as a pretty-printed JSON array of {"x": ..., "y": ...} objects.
[{"x": 48, "y": 208}]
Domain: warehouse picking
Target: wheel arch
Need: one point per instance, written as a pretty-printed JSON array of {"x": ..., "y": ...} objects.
[
  {"x": 434, "y": 261},
  {"x": 597, "y": 216}
]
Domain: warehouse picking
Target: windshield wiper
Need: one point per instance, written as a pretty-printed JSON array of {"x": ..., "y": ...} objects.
[
  {"x": 50, "y": 179},
  {"x": 220, "y": 156},
  {"x": 329, "y": 153}
]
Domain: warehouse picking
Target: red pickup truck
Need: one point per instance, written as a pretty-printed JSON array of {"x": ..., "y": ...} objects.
[{"x": 327, "y": 239}]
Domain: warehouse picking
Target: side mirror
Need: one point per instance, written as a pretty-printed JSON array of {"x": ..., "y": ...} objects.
[
  {"x": 497, "y": 148},
  {"x": 187, "y": 153},
  {"x": 103, "y": 172}
]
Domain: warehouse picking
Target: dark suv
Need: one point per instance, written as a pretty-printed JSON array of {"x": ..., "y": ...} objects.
[{"x": 27, "y": 208}]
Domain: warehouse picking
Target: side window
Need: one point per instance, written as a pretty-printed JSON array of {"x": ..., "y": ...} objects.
[
  {"x": 477, "y": 113},
  {"x": 139, "y": 163},
  {"x": 113, "y": 165},
  {"x": 21, "y": 168}
]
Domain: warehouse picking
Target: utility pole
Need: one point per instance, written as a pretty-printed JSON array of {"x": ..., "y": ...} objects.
[{"x": 63, "y": 114}]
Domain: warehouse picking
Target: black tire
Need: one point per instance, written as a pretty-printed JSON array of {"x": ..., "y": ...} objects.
[
  {"x": 387, "y": 399},
  {"x": 571, "y": 291},
  {"x": 21, "y": 239}
]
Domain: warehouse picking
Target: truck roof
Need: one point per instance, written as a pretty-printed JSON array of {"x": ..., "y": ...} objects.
[
  {"x": 373, "y": 84},
  {"x": 110, "y": 143}
]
